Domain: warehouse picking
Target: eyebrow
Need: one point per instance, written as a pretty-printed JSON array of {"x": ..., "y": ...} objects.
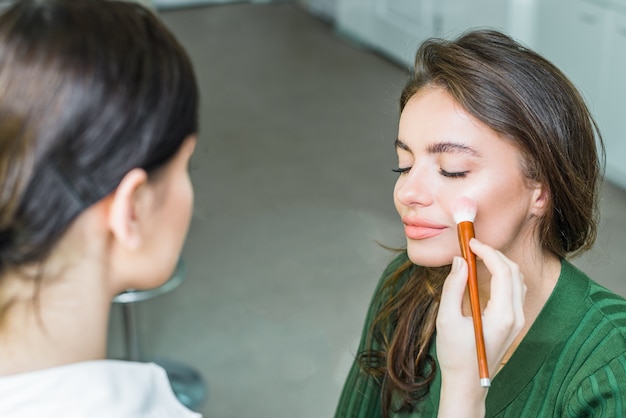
[
  {"x": 401, "y": 145},
  {"x": 441, "y": 148}
]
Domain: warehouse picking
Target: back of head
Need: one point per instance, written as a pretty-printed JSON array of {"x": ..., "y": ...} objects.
[
  {"x": 89, "y": 89},
  {"x": 530, "y": 103}
]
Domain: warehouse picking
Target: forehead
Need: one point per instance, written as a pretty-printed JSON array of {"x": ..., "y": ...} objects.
[{"x": 434, "y": 121}]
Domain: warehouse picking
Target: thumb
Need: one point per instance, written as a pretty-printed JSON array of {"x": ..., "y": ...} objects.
[{"x": 454, "y": 286}]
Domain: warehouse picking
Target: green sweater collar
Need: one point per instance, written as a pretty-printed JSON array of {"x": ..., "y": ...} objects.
[{"x": 553, "y": 325}]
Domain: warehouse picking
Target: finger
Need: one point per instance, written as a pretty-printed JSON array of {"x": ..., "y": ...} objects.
[
  {"x": 453, "y": 289},
  {"x": 506, "y": 280},
  {"x": 495, "y": 261},
  {"x": 503, "y": 274}
]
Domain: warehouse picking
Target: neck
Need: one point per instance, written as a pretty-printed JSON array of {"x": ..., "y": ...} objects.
[
  {"x": 65, "y": 323},
  {"x": 541, "y": 272}
]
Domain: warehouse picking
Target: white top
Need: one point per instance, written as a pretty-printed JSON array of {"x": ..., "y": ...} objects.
[{"x": 94, "y": 389}]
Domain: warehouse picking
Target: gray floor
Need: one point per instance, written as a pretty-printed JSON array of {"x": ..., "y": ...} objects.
[{"x": 293, "y": 195}]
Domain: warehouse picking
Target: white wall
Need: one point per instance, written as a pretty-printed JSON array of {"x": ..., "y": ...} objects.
[
  {"x": 397, "y": 27},
  {"x": 326, "y": 9},
  {"x": 587, "y": 40}
]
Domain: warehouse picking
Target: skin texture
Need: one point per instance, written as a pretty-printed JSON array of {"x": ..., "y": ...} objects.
[{"x": 451, "y": 154}]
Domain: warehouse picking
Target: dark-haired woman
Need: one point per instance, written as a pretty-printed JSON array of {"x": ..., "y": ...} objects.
[
  {"x": 484, "y": 117},
  {"x": 98, "y": 120}
]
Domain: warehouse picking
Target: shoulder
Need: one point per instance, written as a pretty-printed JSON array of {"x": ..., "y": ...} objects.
[
  {"x": 605, "y": 319},
  {"x": 393, "y": 277},
  {"x": 397, "y": 270},
  {"x": 597, "y": 388},
  {"x": 598, "y": 342},
  {"x": 141, "y": 390},
  {"x": 96, "y": 389},
  {"x": 401, "y": 259},
  {"x": 605, "y": 310},
  {"x": 599, "y": 314}
]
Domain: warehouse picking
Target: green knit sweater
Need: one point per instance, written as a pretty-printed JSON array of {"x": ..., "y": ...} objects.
[{"x": 572, "y": 362}]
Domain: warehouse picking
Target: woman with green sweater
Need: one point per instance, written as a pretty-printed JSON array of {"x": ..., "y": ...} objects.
[{"x": 484, "y": 117}]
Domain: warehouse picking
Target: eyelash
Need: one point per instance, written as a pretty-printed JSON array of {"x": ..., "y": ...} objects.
[{"x": 453, "y": 175}]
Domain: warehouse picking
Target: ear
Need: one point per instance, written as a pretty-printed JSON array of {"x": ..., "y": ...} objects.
[
  {"x": 540, "y": 200},
  {"x": 125, "y": 209}
]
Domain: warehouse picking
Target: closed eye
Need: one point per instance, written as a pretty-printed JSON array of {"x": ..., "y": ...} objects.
[
  {"x": 401, "y": 170},
  {"x": 453, "y": 174}
]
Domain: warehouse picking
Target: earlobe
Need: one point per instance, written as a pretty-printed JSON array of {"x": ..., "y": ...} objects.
[{"x": 125, "y": 209}]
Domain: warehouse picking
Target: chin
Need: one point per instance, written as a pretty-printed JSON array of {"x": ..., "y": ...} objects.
[
  {"x": 429, "y": 256},
  {"x": 157, "y": 274},
  {"x": 164, "y": 275}
]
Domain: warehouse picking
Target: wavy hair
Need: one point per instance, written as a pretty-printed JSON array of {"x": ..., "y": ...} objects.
[{"x": 529, "y": 102}]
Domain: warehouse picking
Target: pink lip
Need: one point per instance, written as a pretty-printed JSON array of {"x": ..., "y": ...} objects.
[{"x": 419, "y": 229}]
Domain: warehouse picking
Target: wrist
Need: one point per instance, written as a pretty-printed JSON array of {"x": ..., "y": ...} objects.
[{"x": 460, "y": 399}]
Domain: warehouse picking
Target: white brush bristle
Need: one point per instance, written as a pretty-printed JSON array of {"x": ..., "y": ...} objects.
[{"x": 464, "y": 210}]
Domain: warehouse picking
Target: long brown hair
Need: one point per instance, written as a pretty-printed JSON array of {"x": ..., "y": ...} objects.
[{"x": 528, "y": 101}]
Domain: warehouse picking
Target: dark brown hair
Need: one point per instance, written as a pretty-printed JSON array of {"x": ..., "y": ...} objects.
[
  {"x": 89, "y": 89},
  {"x": 528, "y": 101}
]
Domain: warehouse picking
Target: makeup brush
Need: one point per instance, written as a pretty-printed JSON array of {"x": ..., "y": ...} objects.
[{"x": 464, "y": 212}]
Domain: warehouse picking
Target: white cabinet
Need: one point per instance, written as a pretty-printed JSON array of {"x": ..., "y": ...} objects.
[
  {"x": 587, "y": 40},
  {"x": 569, "y": 34},
  {"x": 397, "y": 27},
  {"x": 393, "y": 27},
  {"x": 612, "y": 118},
  {"x": 460, "y": 15}
]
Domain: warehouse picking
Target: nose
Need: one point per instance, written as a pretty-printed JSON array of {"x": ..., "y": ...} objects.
[{"x": 414, "y": 188}]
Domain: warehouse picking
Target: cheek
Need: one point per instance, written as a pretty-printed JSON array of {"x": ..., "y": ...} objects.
[
  {"x": 180, "y": 206},
  {"x": 188, "y": 198},
  {"x": 496, "y": 191},
  {"x": 502, "y": 216},
  {"x": 395, "y": 193}
]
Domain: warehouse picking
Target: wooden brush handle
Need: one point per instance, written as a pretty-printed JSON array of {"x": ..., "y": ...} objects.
[{"x": 466, "y": 233}]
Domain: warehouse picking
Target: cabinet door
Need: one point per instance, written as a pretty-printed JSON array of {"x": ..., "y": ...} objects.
[
  {"x": 393, "y": 27},
  {"x": 572, "y": 34},
  {"x": 397, "y": 27},
  {"x": 612, "y": 120},
  {"x": 461, "y": 15}
]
